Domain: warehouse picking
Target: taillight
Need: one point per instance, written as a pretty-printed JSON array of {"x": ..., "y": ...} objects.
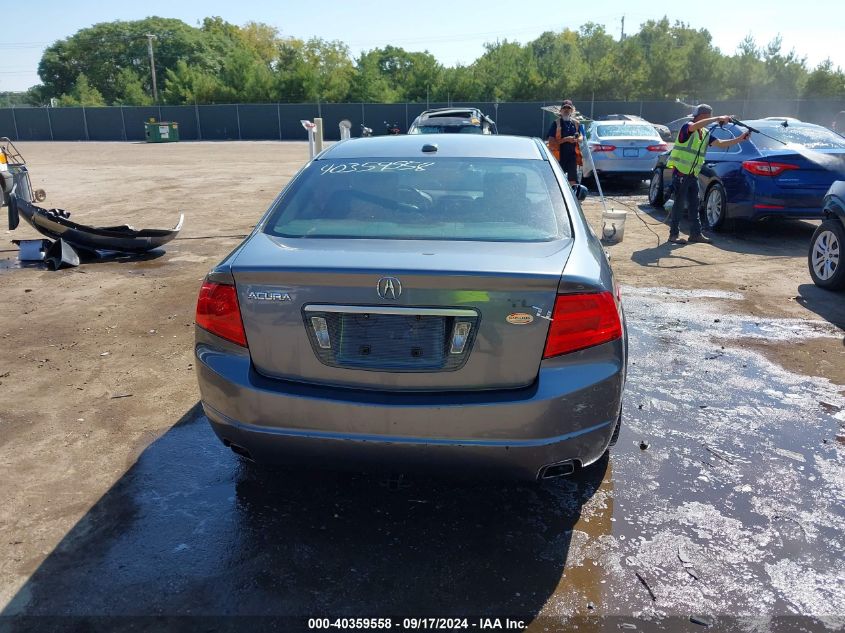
[
  {"x": 660, "y": 147},
  {"x": 219, "y": 313},
  {"x": 597, "y": 147},
  {"x": 766, "y": 168},
  {"x": 582, "y": 320}
]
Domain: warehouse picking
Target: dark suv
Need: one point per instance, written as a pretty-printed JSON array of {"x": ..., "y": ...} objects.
[
  {"x": 825, "y": 257},
  {"x": 453, "y": 121}
]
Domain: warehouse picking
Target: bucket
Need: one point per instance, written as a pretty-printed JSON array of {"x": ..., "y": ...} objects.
[{"x": 613, "y": 226}]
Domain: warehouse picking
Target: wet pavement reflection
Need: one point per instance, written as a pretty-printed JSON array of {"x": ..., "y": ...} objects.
[{"x": 724, "y": 498}]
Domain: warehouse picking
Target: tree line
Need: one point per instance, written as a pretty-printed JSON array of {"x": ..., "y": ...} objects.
[{"x": 219, "y": 62}]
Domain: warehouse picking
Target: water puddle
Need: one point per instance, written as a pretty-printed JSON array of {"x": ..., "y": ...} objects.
[
  {"x": 13, "y": 263},
  {"x": 737, "y": 505}
]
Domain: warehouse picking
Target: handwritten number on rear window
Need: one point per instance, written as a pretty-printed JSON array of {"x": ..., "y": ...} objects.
[{"x": 396, "y": 165}]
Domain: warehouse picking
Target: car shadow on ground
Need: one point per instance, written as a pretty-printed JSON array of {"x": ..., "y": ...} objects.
[
  {"x": 827, "y": 304},
  {"x": 773, "y": 238},
  {"x": 189, "y": 529},
  {"x": 663, "y": 254}
]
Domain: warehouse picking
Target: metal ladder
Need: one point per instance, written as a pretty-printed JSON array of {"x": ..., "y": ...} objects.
[{"x": 13, "y": 156}]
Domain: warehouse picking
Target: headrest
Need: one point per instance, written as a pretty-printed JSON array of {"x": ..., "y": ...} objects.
[{"x": 505, "y": 184}]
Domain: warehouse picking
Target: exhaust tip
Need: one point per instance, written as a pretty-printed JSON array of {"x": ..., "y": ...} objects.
[
  {"x": 560, "y": 469},
  {"x": 239, "y": 450}
]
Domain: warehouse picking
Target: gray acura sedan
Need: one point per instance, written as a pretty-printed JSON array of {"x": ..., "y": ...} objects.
[{"x": 433, "y": 302}]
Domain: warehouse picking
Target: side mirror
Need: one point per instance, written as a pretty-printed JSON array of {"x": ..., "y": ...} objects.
[{"x": 580, "y": 192}]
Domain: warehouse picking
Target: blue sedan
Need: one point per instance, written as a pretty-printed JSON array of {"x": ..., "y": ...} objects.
[{"x": 784, "y": 176}]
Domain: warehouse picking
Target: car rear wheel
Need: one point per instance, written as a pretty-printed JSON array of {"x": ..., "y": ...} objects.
[
  {"x": 715, "y": 207},
  {"x": 825, "y": 257},
  {"x": 656, "y": 196}
]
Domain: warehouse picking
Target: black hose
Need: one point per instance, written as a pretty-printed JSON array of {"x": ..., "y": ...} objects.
[{"x": 636, "y": 211}]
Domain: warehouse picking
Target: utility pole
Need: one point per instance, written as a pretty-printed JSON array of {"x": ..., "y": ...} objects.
[
  {"x": 622, "y": 38},
  {"x": 150, "y": 39}
]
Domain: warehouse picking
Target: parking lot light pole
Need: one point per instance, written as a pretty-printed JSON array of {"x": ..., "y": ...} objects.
[{"x": 150, "y": 38}]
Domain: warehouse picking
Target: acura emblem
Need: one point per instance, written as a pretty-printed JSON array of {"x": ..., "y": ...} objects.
[{"x": 389, "y": 288}]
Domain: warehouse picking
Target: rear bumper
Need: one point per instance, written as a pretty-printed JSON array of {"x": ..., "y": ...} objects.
[
  {"x": 568, "y": 414},
  {"x": 630, "y": 167},
  {"x": 748, "y": 211},
  {"x": 482, "y": 459}
]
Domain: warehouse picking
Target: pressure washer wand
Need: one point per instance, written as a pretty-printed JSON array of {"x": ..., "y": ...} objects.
[
  {"x": 595, "y": 175},
  {"x": 736, "y": 121}
]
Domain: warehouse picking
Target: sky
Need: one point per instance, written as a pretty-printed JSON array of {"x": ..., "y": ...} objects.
[{"x": 453, "y": 34}]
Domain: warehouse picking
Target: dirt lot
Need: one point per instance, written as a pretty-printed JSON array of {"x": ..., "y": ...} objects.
[
  {"x": 765, "y": 264},
  {"x": 96, "y": 370}
]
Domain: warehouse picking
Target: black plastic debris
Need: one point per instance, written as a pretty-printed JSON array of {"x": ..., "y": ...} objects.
[
  {"x": 716, "y": 453},
  {"x": 700, "y": 621},
  {"x": 61, "y": 255},
  {"x": 687, "y": 563},
  {"x": 644, "y": 445},
  {"x": 641, "y": 578}
]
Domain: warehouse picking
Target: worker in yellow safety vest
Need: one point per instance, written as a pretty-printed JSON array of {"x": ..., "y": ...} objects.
[{"x": 686, "y": 161}]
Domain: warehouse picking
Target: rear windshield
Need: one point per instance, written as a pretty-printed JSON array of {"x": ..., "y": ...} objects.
[
  {"x": 811, "y": 137},
  {"x": 453, "y": 114},
  {"x": 447, "y": 129},
  {"x": 478, "y": 199},
  {"x": 619, "y": 129}
]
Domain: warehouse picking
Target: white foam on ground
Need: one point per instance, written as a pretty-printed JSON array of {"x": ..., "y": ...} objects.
[{"x": 756, "y": 524}]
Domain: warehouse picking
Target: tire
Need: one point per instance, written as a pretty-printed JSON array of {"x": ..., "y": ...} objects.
[
  {"x": 825, "y": 259},
  {"x": 715, "y": 208},
  {"x": 656, "y": 195}
]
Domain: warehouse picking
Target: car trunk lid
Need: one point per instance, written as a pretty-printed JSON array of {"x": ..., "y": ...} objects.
[
  {"x": 808, "y": 169},
  {"x": 398, "y": 314}
]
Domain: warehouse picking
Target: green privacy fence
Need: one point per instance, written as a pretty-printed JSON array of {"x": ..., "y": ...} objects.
[{"x": 282, "y": 121}]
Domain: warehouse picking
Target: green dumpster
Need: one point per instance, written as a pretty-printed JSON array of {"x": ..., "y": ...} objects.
[{"x": 161, "y": 131}]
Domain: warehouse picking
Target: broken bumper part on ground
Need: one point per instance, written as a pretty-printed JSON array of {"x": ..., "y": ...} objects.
[
  {"x": 72, "y": 237},
  {"x": 61, "y": 255}
]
